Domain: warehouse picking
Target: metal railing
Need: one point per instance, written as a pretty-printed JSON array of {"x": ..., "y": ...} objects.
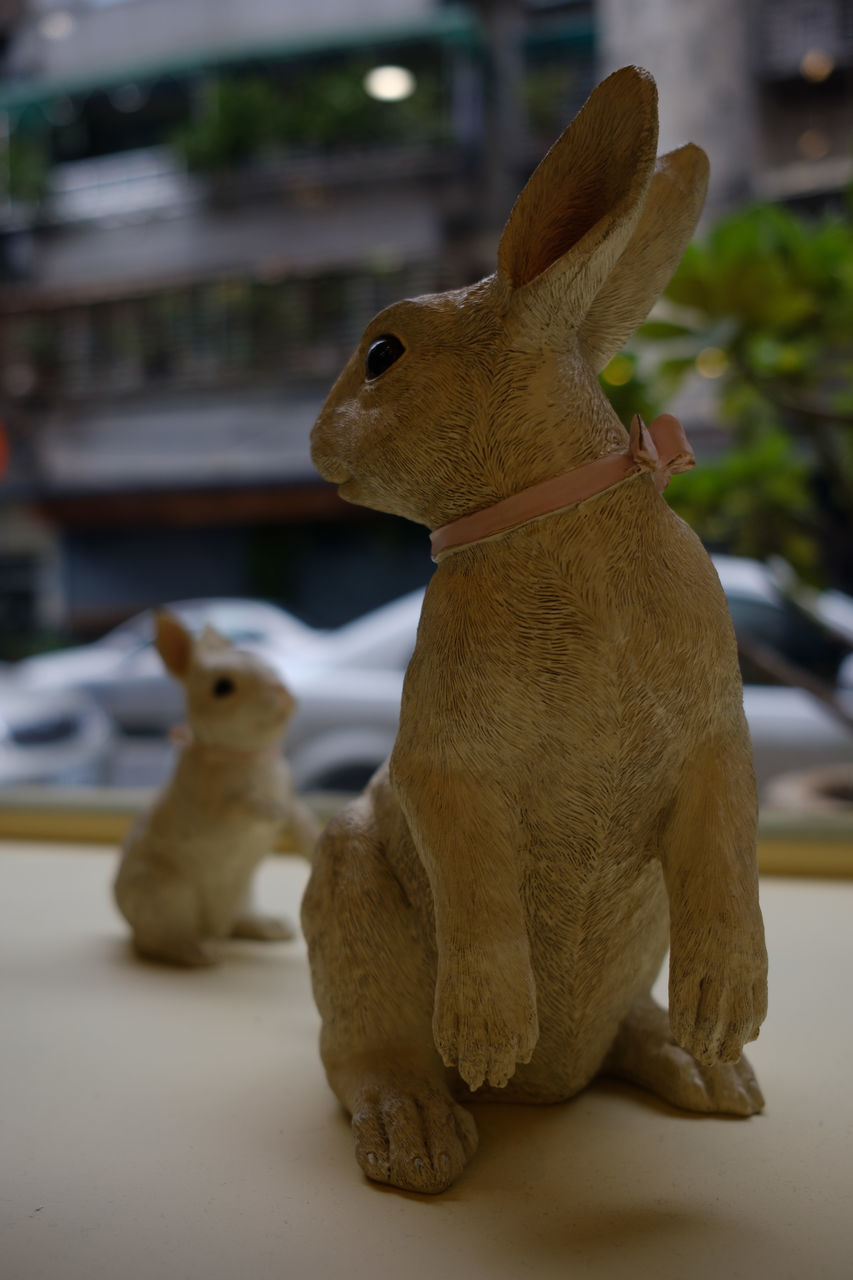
[{"x": 194, "y": 336}]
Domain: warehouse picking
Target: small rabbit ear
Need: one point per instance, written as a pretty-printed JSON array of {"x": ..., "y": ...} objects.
[
  {"x": 213, "y": 641},
  {"x": 174, "y": 644},
  {"x": 578, "y": 211},
  {"x": 667, "y": 222}
]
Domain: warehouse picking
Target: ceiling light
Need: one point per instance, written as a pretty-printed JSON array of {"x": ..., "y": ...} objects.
[
  {"x": 389, "y": 84},
  {"x": 128, "y": 97},
  {"x": 57, "y": 25},
  {"x": 817, "y": 65},
  {"x": 619, "y": 371},
  {"x": 813, "y": 144},
  {"x": 712, "y": 362}
]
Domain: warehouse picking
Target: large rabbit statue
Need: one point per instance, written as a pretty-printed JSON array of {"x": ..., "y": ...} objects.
[{"x": 572, "y": 786}]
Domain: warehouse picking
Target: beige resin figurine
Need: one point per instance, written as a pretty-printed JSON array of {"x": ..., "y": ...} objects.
[
  {"x": 572, "y": 783},
  {"x": 184, "y": 877}
]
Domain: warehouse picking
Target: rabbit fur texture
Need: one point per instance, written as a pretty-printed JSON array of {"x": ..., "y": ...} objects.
[{"x": 571, "y": 789}]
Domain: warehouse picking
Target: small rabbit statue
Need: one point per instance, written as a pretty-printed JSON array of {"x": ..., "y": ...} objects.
[
  {"x": 183, "y": 881},
  {"x": 571, "y": 787}
]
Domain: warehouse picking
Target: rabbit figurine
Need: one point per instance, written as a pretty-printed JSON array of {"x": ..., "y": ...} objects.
[
  {"x": 571, "y": 788},
  {"x": 184, "y": 876}
]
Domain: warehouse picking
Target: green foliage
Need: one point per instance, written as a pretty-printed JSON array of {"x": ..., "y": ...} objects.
[
  {"x": 628, "y": 390},
  {"x": 755, "y": 502},
  {"x": 236, "y": 120},
  {"x": 240, "y": 118},
  {"x": 764, "y": 307},
  {"x": 332, "y": 109},
  {"x": 24, "y": 168},
  {"x": 547, "y": 92}
]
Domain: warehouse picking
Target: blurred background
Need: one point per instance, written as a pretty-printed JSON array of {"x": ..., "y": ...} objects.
[{"x": 202, "y": 202}]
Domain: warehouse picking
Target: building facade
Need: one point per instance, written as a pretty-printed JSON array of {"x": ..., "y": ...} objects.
[
  {"x": 203, "y": 209},
  {"x": 201, "y": 205}
]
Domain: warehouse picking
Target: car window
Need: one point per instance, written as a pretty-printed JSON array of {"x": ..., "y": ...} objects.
[
  {"x": 45, "y": 730},
  {"x": 790, "y": 633},
  {"x": 246, "y": 623},
  {"x": 132, "y": 652},
  {"x": 130, "y": 635},
  {"x": 245, "y": 636}
]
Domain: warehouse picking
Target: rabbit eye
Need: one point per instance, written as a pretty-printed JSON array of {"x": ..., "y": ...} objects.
[
  {"x": 223, "y": 687},
  {"x": 381, "y": 354}
]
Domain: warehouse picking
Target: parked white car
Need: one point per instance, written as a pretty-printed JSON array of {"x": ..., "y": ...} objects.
[
  {"x": 347, "y": 715},
  {"x": 58, "y": 736},
  {"x": 349, "y": 679},
  {"x": 791, "y": 730}
]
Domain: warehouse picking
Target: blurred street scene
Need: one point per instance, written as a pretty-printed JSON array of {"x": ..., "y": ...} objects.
[{"x": 202, "y": 203}]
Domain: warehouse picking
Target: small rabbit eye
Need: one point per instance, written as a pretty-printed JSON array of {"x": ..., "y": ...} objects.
[
  {"x": 223, "y": 687},
  {"x": 382, "y": 353}
]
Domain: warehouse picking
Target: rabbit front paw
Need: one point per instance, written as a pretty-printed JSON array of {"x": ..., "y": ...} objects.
[
  {"x": 484, "y": 1021},
  {"x": 715, "y": 1010}
]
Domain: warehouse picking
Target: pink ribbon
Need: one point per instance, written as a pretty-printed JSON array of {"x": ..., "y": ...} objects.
[
  {"x": 183, "y": 736},
  {"x": 660, "y": 448}
]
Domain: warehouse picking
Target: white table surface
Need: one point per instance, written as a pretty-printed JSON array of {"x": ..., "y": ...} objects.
[{"x": 168, "y": 1124}]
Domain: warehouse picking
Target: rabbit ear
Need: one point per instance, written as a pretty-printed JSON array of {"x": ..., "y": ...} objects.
[
  {"x": 174, "y": 644},
  {"x": 667, "y": 222},
  {"x": 579, "y": 209},
  {"x": 213, "y": 641}
]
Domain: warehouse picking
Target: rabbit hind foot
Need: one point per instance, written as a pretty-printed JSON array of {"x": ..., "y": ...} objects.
[
  {"x": 644, "y": 1053},
  {"x": 186, "y": 953},
  {"x": 261, "y": 928}
]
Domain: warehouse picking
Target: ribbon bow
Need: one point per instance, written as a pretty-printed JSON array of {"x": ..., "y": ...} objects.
[{"x": 661, "y": 448}]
